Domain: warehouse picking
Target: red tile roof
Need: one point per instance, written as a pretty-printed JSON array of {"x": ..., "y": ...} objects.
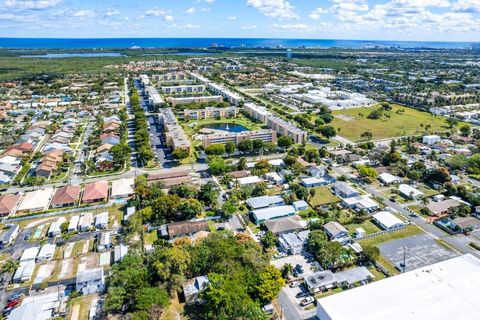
[
  {"x": 95, "y": 191},
  {"x": 8, "y": 203},
  {"x": 66, "y": 195}
]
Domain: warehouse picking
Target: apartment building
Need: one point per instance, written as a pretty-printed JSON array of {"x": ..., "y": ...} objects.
[
  {"x": 257, "y": 112},
  {"x": 154, "y": 98},
  {"x": 191, "y": 88},
  {"x": 280, "y": 126},
  {"x": 170, "y": 76},
  {"x": 217, "y": 89},
  {"x": 174, "y": 134},
  {"x": 187, "y": 100},
  {"x": 236, "y": 137},
  {"x": 211, "y": 113}
]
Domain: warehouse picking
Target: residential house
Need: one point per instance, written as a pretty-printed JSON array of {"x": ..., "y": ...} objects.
[
  {"x": 66, "y": 196},
  {"x": 8, "y": 203},
  {"x": 265, "y": 202},
  {"x": 183, "y": 229},
  {"x": 193, "y": 287},
  {"x": 261, "y": 215},
  {"x": 409, "y": 192},
  {"x": 284, "y": 225},
  {"x": 122, "y": 188},
  {"x": 95, "y": 192},
  {"x": 388, "y": 178},
  {"x": 344, "y": 190},
  {"x": 8, "y": 235},
  {"x": 443, "y": 208},
  {"x": 46, "y": 252},
  {"x": 90, "y": 281},
  {"x": 38, "y": 200},
  {"x": 387, "y": 221},
  {"x": 336, "y": 232},
  {"x": 101, "y": 220},
  {"x": 55, "y": 227}
]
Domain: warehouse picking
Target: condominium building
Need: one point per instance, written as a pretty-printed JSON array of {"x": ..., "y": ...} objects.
[
  {"x": 154, "y": 98},
  {"x": 285, "y": 128},
  {"x": 145, "y": 80},
  {"x": 228, "y": 95},
  {"x": 282, "y": 127},
  {"x": 236, "y": 137},
  {"x": 174, "y": 134},
  {"x": 170, "y": 76},
  {"x": 192, "y": 88},
  {"x": 257, "y": 112},
  {"x": 187, "y": 100},
  {"x": 211, "y": 113}
]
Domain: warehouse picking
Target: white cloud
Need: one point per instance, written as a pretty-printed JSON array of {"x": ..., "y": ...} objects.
[
  {"x": 84, "y": 13},
  {"x": 277, "y": 9},
  {"x": 232, "y": 18},
  {"x": 291, "y": 27},
  {"x": 249, "y": 27},
  {"x": 472, "y": 6},
  {"x": 156, "y": 12},
  {"x": 112, "y": 12},
  {"x": 191, "y": 10},
  {"x": 168, "y": 18},
  {"x": 315, "y": 14},
  {"x": 210, "y": 1},
  {"x": 31, "y": 4}
]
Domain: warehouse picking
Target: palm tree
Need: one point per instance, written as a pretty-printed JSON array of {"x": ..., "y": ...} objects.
[{"x": 10, "y": 266}]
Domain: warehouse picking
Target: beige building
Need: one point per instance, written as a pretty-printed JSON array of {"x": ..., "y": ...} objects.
[
  {"x": 186, "y": 100},
  {"x": 211, "y": 113},
  {"x": 174, "y": 134},
  {"x": 236, "y": 137}
]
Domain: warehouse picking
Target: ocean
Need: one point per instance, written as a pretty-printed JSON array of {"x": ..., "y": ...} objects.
[{"x": 111, "y": 43}]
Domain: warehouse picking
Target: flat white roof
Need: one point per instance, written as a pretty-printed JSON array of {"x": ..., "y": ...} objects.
[
  {"x": 409, "y": 190},
  {"x": 388, "y": 177},
  {"x": 29, "y": 254},
  {"x": 249, "y": 180},
  {"x": 443, "y": 291}
]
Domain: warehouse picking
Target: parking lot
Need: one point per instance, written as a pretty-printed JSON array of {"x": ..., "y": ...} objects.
[
  {"x": 420, "y": 251},
  {"x": 302, "y": 260}
]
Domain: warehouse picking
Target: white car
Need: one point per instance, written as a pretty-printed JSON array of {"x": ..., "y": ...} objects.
[
  {"x": 294, "y": 284},
  {"x": 307, "y": 301}
]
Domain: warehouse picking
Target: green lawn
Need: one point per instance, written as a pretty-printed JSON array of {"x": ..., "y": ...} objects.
[
  {"x": 150, "y": 237},
  {"x": 409, "y": 231},
  {"x": 366, "y": 225},
  {"x": 399, "y": 124},
  {"x": 323, "y": 196}
]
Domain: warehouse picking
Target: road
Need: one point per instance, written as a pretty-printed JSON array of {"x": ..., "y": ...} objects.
[
  {"x": 292, "y": 311},
  {"x": 458, "y": 242}
]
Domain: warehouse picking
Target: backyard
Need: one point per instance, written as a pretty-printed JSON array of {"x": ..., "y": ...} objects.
[{"x": 322, "y": 196}]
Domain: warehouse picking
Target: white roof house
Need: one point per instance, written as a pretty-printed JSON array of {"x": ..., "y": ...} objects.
[
  {"x": 46, "y": 252},
  {"x": 388, "y": 221},
  {"x": 90, "y": 281},
  {"x": 73, "y": 224},
  {"x": 24, "y": 271},
  {"x": 37, "y": 200},
  {"x": 29, "y": 254},
  {"x": 409, "y": 191},
  {"x": 86, "y": 221},
  {"x": 431, "y": 139},
  {"x": 122, "y": 188},
  {"x": 249, "y": 180},
  {"x": 442, "y": 291},
  {"x": 361, "y": 203},
  {"x": 54, "y": 229},
  {"x": 261, "y": 215},
  {"x": 388, "y": 178},
  {"x": 101, "y": 220},
  {"x": 265, "y": 202}
]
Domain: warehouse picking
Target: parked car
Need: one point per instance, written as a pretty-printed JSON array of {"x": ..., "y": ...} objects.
[
  {"x": 12, "y": 304},
  {"x": 302, "y": 294},
  {"x": 294, "y": 284},
  {"x": 307, "y": 301}
]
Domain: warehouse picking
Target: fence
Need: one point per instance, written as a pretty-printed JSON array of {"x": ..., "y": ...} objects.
[{"x": 376, "y": 234}]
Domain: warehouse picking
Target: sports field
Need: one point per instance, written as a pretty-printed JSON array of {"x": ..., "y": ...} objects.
[{"x": 353, "y": 122}]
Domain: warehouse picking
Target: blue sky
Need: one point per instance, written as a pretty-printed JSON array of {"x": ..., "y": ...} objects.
[{"x": 424, "y": 20}]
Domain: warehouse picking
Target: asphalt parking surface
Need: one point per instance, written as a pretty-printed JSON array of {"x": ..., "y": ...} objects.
[{"x": 420, "y": 251}]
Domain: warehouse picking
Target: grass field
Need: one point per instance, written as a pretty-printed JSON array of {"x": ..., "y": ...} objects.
[
  {"x": 410, "y": 122},
  {"x": 409, "y": 231},
  {"x": 366, "y": 225},
  {"x": 323, "y": 196}
]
